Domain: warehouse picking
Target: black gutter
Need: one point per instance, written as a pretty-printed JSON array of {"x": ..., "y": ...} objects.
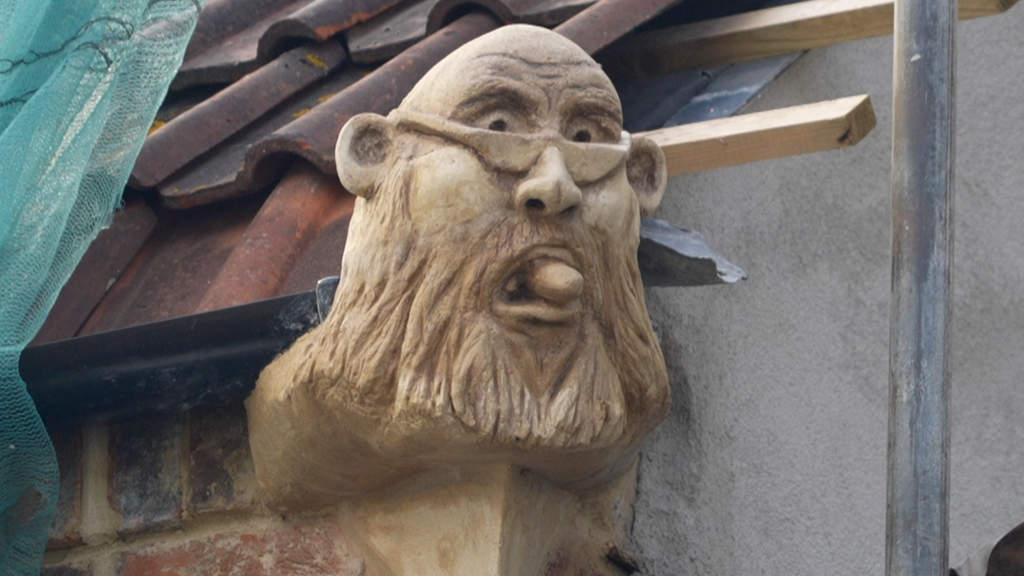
[{"x": 173, "y": 365}]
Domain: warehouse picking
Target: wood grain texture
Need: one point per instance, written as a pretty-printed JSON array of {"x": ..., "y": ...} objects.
[
  {"x": 763, "y": 33},
  {"x": 765, "y": 135}
]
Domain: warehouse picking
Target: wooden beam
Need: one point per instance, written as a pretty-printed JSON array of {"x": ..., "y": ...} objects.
[
  {"x": 762, "y": 33},
  {"x": 765, "y": 135}
]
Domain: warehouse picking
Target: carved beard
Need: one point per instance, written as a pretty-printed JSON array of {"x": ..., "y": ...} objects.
[{"x": 416, "y": 337}]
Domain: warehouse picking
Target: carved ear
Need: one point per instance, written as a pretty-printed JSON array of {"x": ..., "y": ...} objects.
[
  {"x": 645, "y": 168},
  {"x": 363, "y": 145}
]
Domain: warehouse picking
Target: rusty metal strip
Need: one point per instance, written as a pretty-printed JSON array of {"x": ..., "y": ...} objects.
[
  {"x": 302, "y": 205},
  {"x": 216, "y": 57},
  {"x": 213, "y": 121},
  {"x": 608, "y": 20}
]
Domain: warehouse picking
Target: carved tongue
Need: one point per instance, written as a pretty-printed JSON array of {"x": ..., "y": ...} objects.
[{"x": 555, "y": 281}]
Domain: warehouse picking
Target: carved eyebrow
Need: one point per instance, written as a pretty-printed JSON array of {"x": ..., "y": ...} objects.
[
  {"x": 490, "y": 98},
  {"x": 593, "y": 103}
]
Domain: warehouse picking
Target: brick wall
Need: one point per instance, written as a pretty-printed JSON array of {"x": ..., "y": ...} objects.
[{"x": 174, "y": 495}]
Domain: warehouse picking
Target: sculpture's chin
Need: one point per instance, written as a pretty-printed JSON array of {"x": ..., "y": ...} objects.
[{"x": 513, "y": 388}]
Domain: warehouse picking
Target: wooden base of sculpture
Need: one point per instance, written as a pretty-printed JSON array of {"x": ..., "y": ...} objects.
[{"x": 493, "y": 520}]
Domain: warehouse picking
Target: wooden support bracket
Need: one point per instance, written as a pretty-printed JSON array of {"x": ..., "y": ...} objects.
[
  {"x": 765, "y": 135},
  {"x": 763, "y": 33}
]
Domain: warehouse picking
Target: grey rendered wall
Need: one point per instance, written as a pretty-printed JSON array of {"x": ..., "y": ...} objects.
[{"x": 773, "y": 459}]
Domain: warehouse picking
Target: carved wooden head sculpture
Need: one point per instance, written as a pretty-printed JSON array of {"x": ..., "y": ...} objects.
[{"x": 490, "y": 307}]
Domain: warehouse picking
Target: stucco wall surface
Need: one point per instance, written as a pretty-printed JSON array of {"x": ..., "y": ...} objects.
[{"x": 773, "y": 459}]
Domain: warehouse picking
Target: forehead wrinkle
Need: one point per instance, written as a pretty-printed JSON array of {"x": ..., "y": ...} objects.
[
  {"x": 486, "y": 88},
  {"x": 561, "y": 60},
  {"x": 511, "y": 66},
  {"x": 590, "y": 81},
  {"x": 552, "y": 79}
]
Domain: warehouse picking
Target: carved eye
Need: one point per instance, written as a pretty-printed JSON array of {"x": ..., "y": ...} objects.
[
  {"x": 581, "y": 136},
  {"x": 591, "y": 128},
  {"x": 498, "y": 125}
]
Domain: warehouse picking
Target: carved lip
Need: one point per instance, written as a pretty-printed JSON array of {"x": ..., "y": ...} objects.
[{"x": 543, "y": 286}]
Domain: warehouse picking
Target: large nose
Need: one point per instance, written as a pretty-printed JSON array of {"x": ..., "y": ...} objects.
[{"x": 548, "y": 190}]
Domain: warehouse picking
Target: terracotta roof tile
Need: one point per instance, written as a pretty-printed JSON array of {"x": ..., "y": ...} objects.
[
  {"x": 107, "y": 257},
  {"x": 225, "y": 172},
  {"x": 608, "y": 20},
  {"x": 276, "y": 240},
  {"x": 195, "y": 132},
  {"x": 314, "y": 135},
  {"x": 171, "y": 272},
  {"x": 234, "y": 37},
  {"x": 306, "y": 127},
  {"x": 386, "y": 36},
  {"x": 230, "y": 253}
]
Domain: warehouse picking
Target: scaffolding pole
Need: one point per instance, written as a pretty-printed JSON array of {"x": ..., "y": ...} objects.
[{"x": 917, "y": 519}]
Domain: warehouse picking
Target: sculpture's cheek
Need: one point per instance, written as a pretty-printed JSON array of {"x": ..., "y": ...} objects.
[
  {"x": 610, "y": 207},
  {"x": 450, "y": 187}
]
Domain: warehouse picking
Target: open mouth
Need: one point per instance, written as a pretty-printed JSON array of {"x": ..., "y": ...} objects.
[{"x": 546, "y": 287}]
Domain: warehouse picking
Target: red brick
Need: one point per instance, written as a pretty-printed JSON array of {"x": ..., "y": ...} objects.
[
  {"x": 306, "y": 549},
  {"x": 221, "y": 473},
  {"x": 146, "y": 478},
  {"x": 67, "y": 524}
]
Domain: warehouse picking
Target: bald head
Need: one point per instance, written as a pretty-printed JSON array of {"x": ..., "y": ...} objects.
[
  {"x": 529, "y": 77},
  {"x": 518, "y": 81}
]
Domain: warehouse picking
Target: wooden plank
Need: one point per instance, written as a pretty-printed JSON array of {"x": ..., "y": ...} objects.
[
  {"x": 765, "y": 135},
  {"x": 762, "y": 33}
]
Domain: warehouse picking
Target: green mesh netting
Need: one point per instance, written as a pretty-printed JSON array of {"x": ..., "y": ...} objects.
[{"x": 80, "y": 82}]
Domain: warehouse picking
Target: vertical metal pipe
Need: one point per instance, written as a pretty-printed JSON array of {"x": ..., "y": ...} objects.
[{"x": 917, "y": 521}]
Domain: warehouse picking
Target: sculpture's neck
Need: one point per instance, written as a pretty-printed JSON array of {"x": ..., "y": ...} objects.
[{"x": 495, "y": 520}]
